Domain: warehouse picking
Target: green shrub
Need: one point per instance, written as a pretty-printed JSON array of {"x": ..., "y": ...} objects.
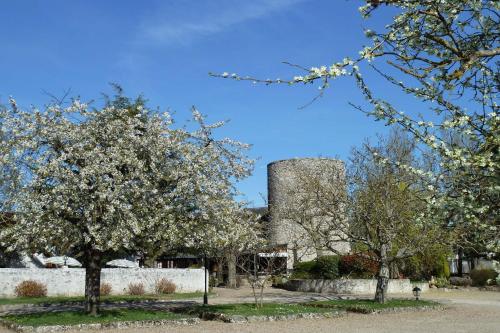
[
  {"x": 431, "y": 262},
  {"x": 31, "y": 288},
  {"x": 480, "y": 277},
  {"x": 301, "y": 276},
  {"x": 441, "y": 267},
  {"x": 442, "y": 282},
  {"x": 303, "y": 270},
  {"x": 326, "y": 267},
  {"x": 304, "y": 266}
]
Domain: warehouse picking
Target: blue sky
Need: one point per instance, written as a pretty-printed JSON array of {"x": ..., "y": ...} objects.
[{"x": 165, "y": 50}]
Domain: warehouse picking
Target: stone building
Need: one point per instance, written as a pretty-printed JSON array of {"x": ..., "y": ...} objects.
[{"x": 294, "y": 213}]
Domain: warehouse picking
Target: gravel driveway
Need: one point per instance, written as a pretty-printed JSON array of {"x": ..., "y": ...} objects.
[{"x": 468, "y": 311}]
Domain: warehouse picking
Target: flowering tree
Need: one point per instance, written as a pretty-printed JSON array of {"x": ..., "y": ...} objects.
[
  {"x": 234, "y": 230},
  {"x": 242, "y": 231},
  {"x": 444, "y": 53},
  {"x": 94, "y": 181}
]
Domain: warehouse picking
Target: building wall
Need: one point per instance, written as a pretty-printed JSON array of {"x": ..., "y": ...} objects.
[
  {"x": 71, "y": 282},
  {"x": 478, "y": 263},
  {"x": 354, "y": 286},
  {"x": 283, "y": 179}
]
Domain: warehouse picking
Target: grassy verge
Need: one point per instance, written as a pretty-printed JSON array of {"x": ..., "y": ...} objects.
[
  {"x": 249, "y": 309},
  {"x": 75, "y": 318},
  {"x": 370, "y": 305},
  {"x": 111, "y": 298}
]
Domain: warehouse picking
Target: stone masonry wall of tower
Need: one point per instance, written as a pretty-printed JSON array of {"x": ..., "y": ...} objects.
[{"x": 282, "y": 179}]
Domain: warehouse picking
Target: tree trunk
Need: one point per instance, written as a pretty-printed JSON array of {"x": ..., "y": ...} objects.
[
  {"x": 394, "y": 270},
  {"x": 231, "y": 270},
  {"x": 472, "y": 264},
  {"x": 383, "y": 276},
  {"x": 382, "y": 282},
  {"x": 460, "y": 265},
  {"x": 254, "y": 291},
  {"x": 92, "y": 282},
  {"x": 261, "y": 296},
  {"x": 219, "y": 273}
]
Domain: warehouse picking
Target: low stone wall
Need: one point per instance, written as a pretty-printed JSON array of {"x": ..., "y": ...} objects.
[
  {"x": 352, "y": 286},
  {"x": 71, "y": 281}
]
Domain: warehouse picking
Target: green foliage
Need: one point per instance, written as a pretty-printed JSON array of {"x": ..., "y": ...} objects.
[
  {"x": 442, "y": 282},
  {"x": 303, "y": 270},
  {"x": 301, "y": 276},
  {"x": 480, "y": 277},
  {"x": 430, "y": 262},
  {"x": 324, "y": 267},
  {"x": 304, "y": 266},
  {"x": 442, "y": 268},
  {"x": 327, "y": 267}
]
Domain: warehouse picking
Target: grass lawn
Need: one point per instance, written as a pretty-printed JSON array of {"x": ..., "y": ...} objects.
[
  {"x": 111, "y": 298},
  {"x": 75, "y": 318},
  {"x": 249, "y": 309},
  {"x": 370, "y": 304}
]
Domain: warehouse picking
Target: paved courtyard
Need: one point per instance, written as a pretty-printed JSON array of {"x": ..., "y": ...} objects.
[{"x": 468, "y": 311}]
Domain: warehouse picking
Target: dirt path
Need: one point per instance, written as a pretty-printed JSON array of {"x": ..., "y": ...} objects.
[
  {"x": 464, "y": 315},
  {"x": 467, "y": 312},
  {"x": 457, "y": 319},
  {"x": 222, "y": 296}
]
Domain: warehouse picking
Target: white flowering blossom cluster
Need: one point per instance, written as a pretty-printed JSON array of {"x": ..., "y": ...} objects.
[
  {"x": 114, "y": 179},
  {"x": 447, "y": 53}
]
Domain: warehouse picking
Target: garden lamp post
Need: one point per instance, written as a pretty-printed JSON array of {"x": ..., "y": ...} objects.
[
  {"x": 205, "y": 295},
  {"x": 416, "y": 292}
]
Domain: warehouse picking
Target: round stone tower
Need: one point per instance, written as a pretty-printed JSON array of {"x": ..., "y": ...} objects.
[{"x": 285, "y": 179}]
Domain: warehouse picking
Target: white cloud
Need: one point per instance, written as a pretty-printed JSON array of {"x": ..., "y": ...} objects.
[{"x": 185, "y": 21}]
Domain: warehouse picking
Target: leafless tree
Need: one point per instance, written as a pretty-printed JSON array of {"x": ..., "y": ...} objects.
[{"x": 259, "y": 267}]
